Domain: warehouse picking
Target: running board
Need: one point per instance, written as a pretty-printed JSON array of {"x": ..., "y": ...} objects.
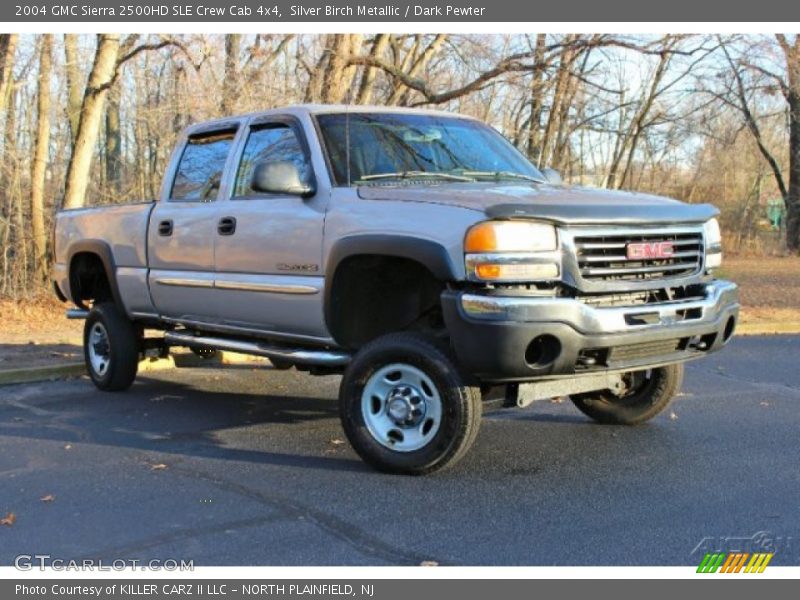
[{"x": 297, "y": 356}]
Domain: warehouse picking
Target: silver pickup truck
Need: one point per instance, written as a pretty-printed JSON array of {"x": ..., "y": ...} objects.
[{"x": 417, "y": 253}]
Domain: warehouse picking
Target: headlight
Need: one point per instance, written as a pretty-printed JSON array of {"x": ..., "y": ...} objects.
[
  {"x": 512, "y": 251},
  {"x": 713, "y": 239},
  {"x": 510, "y": 236}
]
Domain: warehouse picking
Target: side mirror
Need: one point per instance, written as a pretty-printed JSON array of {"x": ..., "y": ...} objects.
[
  {"x": 280, "y": 177},
  {"x": 552, "y": 176}
]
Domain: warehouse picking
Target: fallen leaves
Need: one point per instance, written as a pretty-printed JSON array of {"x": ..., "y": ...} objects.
[
  {"x": 335, "y": 442},
  {"x": 47, "y": 498},
  {"x": 8, "y": 520}
]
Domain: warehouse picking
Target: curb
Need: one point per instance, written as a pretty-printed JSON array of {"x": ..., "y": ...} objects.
[
  {"x": 776, "y": 328},
  {"x": 182, "y": 360},
  {"x": 12, "y": 376}
]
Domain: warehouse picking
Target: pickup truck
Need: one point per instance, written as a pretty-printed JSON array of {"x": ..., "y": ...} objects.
[{"x": 418, "y": 254}]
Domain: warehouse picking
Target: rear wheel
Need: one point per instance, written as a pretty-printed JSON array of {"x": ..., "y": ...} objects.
[
  {"x": 405, "y": 406},
  {"x": 111, "y": 347},
  {"x": 646, "y": 393}
]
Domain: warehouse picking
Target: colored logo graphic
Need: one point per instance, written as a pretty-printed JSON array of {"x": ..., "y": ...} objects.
[{"x": 735, "y": 562}]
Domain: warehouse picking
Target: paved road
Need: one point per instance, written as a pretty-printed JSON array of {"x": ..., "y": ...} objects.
[{"x": 250, "y": 469}]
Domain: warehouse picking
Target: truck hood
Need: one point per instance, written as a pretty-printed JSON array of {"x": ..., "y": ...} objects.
[{"x": 561, "y": 204}]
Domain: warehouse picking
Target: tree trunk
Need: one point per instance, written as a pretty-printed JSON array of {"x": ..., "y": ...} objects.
[
  {"x": 74, "y": 87},
  {"x": 792, "y": 198},
  {"x": 8, "y": 47},
  {"x": 338, "y": 77},
  {"x": 537, "y": 99},
  {"x": 230, "y": 85},
  {"x": 370, "y": 73},
  {"x": 40, "y": 158},
  {"x": 113, "y": 142},
  {"x": 12, "y": 189},
  {"x": 100, "y": 78},
  {"x": 563, "y": 76}
]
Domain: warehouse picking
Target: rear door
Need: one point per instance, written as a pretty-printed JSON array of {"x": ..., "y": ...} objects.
[
  {"x": 183, "y": 227},
  {"x": 268, "y": 259}
]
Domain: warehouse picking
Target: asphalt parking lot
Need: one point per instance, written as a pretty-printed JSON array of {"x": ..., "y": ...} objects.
[{"x": 248, "y": 467}]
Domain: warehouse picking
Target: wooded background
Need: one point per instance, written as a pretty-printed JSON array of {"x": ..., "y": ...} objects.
[{"x": 91, "y": 120}]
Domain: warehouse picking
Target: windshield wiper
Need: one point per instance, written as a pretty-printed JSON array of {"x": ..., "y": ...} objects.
[
  {"x": 413, "y": 174},
  {"x": 498, "y": 175}
]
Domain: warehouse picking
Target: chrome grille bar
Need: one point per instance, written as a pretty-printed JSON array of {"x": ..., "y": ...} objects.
[{"x": 601, "y": 255}]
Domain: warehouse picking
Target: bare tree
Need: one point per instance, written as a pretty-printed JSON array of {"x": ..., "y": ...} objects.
[
  {"x": 100, "y": 78},
  {"x": 40, "y": 157},
  {"x": 8, "y": 47},
  {"x": 113, "y": 145},
  {"x": 741, "y": 96},
  {"x": 791, "y": 91},
  {"x": 370, "y": 74},
  {"x": 74, "y": 83},
  {"x": 109, "y": 58},
  {"x": 230, "y": 82}
]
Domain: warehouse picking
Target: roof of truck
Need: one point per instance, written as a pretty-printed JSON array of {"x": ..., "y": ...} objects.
[{"x": 318, "y": 109}]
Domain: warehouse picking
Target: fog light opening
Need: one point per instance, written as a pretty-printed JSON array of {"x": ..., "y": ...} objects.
[
  {"x": 730, "y": 326},
  {"x": 542, "y": 351}
]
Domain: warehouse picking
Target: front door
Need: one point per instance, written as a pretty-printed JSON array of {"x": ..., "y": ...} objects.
[{"x": 269, "y": 246}]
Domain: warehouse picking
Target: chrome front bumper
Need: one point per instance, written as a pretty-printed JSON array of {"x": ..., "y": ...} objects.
[{"x": 719, "y": 297}]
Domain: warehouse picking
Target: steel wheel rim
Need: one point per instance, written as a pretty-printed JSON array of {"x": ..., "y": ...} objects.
[
  {"x": 99, "y": 349},
  {"x": 401, "y": 407}
]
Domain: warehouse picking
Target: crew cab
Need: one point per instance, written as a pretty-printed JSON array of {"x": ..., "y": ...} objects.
[{"x": 418, "y": 254}]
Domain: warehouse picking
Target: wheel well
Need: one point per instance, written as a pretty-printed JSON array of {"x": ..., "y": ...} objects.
[
  {"x": 372, "y": 295},
  {"x": 88, "y": 279}
]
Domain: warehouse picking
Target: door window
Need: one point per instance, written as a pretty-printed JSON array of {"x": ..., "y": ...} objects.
[
  {"x": 201, "y": 167},
  {"x": 270, "y": 143}
]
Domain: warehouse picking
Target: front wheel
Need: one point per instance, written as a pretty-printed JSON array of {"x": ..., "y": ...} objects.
[
  {"x": 405, "y": 406},
  {"x": 111, "y": 347},
  {"x": 645, "y": 394}
]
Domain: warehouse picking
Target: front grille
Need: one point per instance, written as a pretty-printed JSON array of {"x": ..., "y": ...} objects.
[{"x": 604, "y": 257}]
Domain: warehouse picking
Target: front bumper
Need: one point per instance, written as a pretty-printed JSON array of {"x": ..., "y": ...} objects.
[{"x": 517, "y": 338}]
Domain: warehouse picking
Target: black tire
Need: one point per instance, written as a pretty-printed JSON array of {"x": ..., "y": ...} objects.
[
  {"x": 121, "y": 348},
  {"x": 459, "y": 405},
  {"x": 650, "y": 392}
]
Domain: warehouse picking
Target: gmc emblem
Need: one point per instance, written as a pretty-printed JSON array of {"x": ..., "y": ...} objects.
[{"x": 650, "y": 250}]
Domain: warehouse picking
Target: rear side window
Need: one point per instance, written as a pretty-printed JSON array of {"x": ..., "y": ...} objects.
[
  {"x": 201, "y": 167},
  {"x": 270, "y": 143}
]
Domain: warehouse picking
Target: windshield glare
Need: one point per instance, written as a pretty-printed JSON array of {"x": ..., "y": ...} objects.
[{"x": 385, "y": 144}]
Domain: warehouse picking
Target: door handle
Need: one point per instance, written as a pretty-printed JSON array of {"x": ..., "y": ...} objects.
[
  {"x": 226, "y": 226},
  {"x": 165, "y": 227}
]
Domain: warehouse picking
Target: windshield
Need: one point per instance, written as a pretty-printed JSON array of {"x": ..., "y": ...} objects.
[{"x": 384, "y": 146}]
